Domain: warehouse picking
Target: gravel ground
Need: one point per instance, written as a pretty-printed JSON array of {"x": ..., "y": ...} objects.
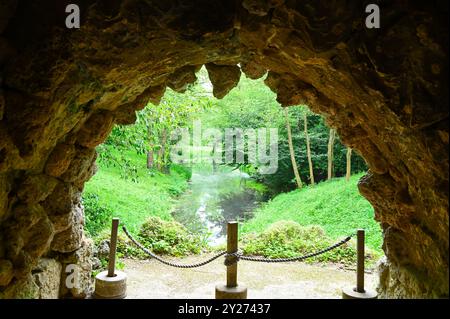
[{"x": 149, "y": 279}]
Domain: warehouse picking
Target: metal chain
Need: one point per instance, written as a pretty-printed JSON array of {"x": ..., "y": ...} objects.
[
  {"x": 239, "y": 256},
  {"x": 168, "y": 263}
]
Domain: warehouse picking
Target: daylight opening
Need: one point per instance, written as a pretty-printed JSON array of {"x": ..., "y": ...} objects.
[{"x": 192, "y": 163}]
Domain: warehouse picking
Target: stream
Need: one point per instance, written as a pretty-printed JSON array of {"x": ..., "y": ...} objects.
[{"x": 216, "y": 197}]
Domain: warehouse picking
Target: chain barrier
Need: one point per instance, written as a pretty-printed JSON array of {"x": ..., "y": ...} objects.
[
  {"x": 232, "y": 258},
  {"x": 168, "y": 263},
  {"x": 239, "y": 256}
]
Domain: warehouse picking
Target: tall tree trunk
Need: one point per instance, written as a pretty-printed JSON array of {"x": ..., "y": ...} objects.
[
  {"x": 214, "y": 158},
  {"x": 308, "y": 150},
  {"x": 331, "y": 153},
  {"x": 349, "y": 164},
  {"x": 150, "y": 158},
  {"x": 151, "y": 152},
  {"x": 291, "y": 150},
  {"x": 162, "y": 151}
]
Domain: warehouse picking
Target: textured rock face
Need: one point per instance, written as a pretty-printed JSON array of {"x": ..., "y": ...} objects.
[
  {"x": 385, "y": 92},
  {"x": 78, "y": 265},
  {"x": 6, "y": 272},
  {"x": 47, "y": 276}
]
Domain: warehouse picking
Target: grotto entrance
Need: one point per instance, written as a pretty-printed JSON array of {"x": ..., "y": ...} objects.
[
  {"x": 63, "y": 90},
  {"x": 219, "y": 166}
]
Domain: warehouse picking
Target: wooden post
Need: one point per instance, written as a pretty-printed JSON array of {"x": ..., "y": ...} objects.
[
  {"x": 113, "y": 247},
  {"x": 360, "y": 261},
  {"x": 232, "y": 247},
  {"x": 231, "y": 290},
  {"x": 359, "y": 292},
  {"x": 111, "y": 284}
]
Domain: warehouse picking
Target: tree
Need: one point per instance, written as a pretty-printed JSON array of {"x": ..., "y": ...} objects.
[
  {"x": 150, "y": 158},
  {"x": 150, "y": 134},
  {"x": 250, "y": 105},
  {"x": 253, "y": 105},
  {"x": 308, "y": 148},
  {"x": 291, "y": 149},
  {"x": 330, "y": 153},
  {"x": 349, "y": 164},
  {"x": 162, "y": 154}
]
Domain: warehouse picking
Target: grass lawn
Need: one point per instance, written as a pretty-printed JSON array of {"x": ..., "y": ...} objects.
[
  {"x": 335, "y": 205},
  {"x": 152, "y": 195}
]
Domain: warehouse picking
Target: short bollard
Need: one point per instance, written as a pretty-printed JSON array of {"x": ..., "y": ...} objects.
[
  {"x": 231, "y": 290},
  {"x": 359, "y": 292},
  {"x": 111, "y": 284}
]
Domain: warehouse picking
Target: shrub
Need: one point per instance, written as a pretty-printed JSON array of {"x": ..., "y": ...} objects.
[
  {"x": 169, "y": 237},
  {"x": 286, "y": 239},
  {"x": 97, "y": 216},
  {"x": 125, "y": 247},
  {"x": 176, "y": 189},
  {"x": 185, "y": 172}
]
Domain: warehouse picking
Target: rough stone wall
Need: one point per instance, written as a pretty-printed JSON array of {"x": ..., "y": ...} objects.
[{"x": 385, "y": 91}]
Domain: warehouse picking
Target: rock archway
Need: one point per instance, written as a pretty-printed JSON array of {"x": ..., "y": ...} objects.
[{"x": 61, "y": 91}]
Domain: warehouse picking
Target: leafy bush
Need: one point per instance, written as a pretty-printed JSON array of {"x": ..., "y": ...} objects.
[
  {"x": 185, "y": 172},
  {"x": 169, "y": 237},
  {"x": 125, "y": 247},
  {"x": 176, "y": 190},
  {"x": 97, "y": 216},
  {"x": 159, "y": 236},
  {"x": 129, "y": 170},
  {"x": 286, "y": 239}
]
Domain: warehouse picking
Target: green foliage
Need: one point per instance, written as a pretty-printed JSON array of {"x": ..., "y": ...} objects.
[
  {"x": 108, "y": 195},
  {"x": 125, "y": 247},
  {"x": 152, "y": 195},
  {"x": 260, "y": 188},
  {"x": 169, "y": 237},
  {"x": 126, "y": 188},
  {"x": 252, "y": 105},
  {"x": 160, "y": 236},
  {"x": 153, "y": 128},
  {"x": 336, "y": 205},
  {"x": 97, "y": 216},
  {"x": 110, "y": 157},
  {"x": 129, "y": 171},
  {"x": 185, "y": 172},
  {"x": 285, "y": 239}
]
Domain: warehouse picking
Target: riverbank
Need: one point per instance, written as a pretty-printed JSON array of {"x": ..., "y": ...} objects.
[
  {"x": 184, "y": 210},
  {"x": 335, "y": 205},
  {"x": 134, "y": 193}
]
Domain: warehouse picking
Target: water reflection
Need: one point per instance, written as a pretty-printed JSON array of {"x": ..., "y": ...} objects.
[{"x": 215, "y": 198}]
